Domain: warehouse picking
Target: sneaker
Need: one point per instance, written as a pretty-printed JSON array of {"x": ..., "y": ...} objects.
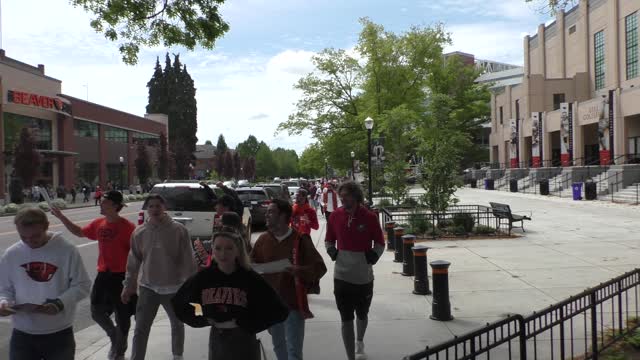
[
  {"x": 178, "y": 357},
  {"x": 360, "y": 354}
]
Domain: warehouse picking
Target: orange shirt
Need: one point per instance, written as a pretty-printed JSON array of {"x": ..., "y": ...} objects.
[{"x": 114, "y": 241}]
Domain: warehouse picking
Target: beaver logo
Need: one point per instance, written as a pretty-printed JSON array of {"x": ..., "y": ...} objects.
[{"x": 40, "y": 271}]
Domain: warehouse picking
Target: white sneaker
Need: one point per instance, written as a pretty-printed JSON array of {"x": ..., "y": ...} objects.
[{"x": 360, "y": 354}]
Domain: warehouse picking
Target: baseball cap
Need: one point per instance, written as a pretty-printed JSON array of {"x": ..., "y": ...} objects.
[{"x": 115, "y": 196}]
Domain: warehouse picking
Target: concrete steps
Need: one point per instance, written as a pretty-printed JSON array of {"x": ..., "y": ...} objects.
[{"x": 629, "y": 195}]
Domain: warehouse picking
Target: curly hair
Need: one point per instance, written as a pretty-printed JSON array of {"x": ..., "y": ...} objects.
[{"x": 352, "y": 188}]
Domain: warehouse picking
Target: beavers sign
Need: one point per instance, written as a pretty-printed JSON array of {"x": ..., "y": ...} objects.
[{"x": 40, "y": 101}]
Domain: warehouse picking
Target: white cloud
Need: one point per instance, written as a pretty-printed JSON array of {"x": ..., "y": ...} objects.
[{"x": 296, "y": 62}]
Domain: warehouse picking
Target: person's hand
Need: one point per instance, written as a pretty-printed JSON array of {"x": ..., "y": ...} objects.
[
  {"x": 372, "y": 257},
  {"x": 48, "y": 309},
  {"x": 220, "y": 184},
  {"x": 126, "y": 295},
  {"x": 5, "y": 309},
  {"x": 333, "y": 253},
  {"x": 56, "y": 212}
]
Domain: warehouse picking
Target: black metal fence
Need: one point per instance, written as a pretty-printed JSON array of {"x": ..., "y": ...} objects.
[
  {"x": 580, "y": 327},
  {"x": 413, "y": 216}
]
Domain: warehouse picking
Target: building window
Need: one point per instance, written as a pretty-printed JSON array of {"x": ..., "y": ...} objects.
[
  {"x": 501, "y": 115},
  {"x": 87, "y": 174},
  {"x": 557, "y": 100},
  {"x": 85, "y": 129},
  {"x": 116, "y": 134},
  {"x": 572, "y": 29},
  {"x": 117, "y": 174},
  {"x": 598, "y": 47},
  {"x": 40, "y": 130},
  {"x": 149, "y": 139},
  {"x": 631, "y": 33}
]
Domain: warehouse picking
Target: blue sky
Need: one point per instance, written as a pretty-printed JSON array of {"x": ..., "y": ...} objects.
[{"x": 245, "y": 85}]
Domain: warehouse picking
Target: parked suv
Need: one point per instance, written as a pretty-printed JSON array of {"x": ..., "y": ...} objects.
[
  {"x": 193, "y": 205},
  {"x": 257, "y": 199},
  {"x": 281, "y": 191}
]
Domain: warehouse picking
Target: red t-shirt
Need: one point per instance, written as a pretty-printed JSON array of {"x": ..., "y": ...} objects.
[
  {"x": 354, "y": 233},
  {"x": 114, "y": 241}
]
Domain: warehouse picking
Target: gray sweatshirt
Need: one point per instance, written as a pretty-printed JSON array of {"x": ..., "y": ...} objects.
[
  {"x": 31, "y": 276},
  {"x": 161, "y": 257}
]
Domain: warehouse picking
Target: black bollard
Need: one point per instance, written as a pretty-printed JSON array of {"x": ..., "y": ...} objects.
[
  {"x": 391, "y": 235},
  {"x": 399, "y": 232},
  {"x": 441, "y": 307},
  {"x": 407, "y": 256},
  {"x": 421, "y": 279}
]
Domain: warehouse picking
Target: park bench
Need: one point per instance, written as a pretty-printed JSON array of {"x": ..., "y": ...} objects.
[{"x": 503, "y": 212}]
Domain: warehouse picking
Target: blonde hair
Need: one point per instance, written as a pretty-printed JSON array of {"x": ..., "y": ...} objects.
[
  {"x": 238, "y": 241},
  {"x": 30, "y": 216}
]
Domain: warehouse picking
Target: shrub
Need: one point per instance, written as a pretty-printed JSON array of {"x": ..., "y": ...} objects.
[
  {"x": 139, "y": 197},
  {"x": 384, "y": 203},
  {"x": 11, "y": 208},
  {"x": 459, "y": 230},
  {"x": 2, "y": 210},
  {"x": 442, "y": 224},
  {"x": 419, "y": 223},
  {"x": 44, "y": 206},
  {"x": 484, "y": 230},
  {"x": 464, "y": 220},
  {"x": 59, "y": 203},
  {"x": 409, "y": 201}
]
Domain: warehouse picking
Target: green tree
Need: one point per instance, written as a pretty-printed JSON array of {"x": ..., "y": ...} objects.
[
  {"x": 248, "y": 148},
  {"x": 26, "y": 164},
  {"x": 229, "y": 169},
  {"x": 143, "y": 163},
  {"x": 221, "y": 146},
  {"x": 237, "y": 166},
  {"x": 266, "y": 165},
  {"x": 312, "y": 161},
  {"x": 249, "y": 168},
  {"x": 163, "y": 157},
  {"x": 220, "y": 164},
  {"x": 208, "y": 142},
  {"x": 552, "y": 6},
  {"x": 149, "y": 23},
  {"x": 172, "y": 92},
  {"x": 287, "y": 162}
]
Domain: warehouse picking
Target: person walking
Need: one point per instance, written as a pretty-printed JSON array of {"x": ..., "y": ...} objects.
[
  {"x": 330, "y": 200},
  {"x": 42, "y": 279},
  {"x": 113, "y": 233},
  {"x": 98, "y": 195},
  {"x": 73, "y": 194},
  {"x": 159, "y": 262},
  {"x": 304, "y": 217},
  {"x": 231, "y": 298},
  {"x": 281, "y": 242},
  {"x": 355, "y": 242},
  {"x": 87, "y": 193}
]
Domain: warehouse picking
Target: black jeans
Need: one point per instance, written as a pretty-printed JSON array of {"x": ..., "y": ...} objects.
[
  {"x": 105, "y": 300},
  {"x": 352, "y": 298},
  {"x": 233, "y": 344},
  {"x": 56, "y": 346}
]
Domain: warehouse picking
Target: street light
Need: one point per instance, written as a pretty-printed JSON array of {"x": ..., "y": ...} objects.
[
  {"x": 353, "y": 166},
  {"x": 368, "y": 124},
  {"x": 121, "y": 159},
  {"x": 326, "y": 169}
]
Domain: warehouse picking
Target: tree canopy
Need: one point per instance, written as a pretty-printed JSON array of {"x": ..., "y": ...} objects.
[
  {"x": 136, "y": 24},
  {"x": 552, "y": 6}
]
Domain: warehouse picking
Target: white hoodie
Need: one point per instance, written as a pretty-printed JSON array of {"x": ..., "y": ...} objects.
[{"x": 53, "y": 271}]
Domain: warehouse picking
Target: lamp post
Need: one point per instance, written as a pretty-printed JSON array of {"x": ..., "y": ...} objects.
[
  {"x": 121, "y": 159},
  {"x": 353, "y": 166},
  {"x": 368, "y": 124},
  {"x": 326, "y": 169}
]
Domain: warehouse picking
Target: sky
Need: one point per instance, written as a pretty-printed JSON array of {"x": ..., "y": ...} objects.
[{"x": 245, "y": 84}]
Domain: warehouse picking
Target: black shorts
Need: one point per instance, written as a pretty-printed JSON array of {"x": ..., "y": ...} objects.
[
  {"x": 352, "y": 298},
  {"x": 106, "y": 291}
]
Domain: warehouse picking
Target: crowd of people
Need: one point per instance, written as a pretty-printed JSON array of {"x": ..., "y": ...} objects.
[{"x": 236, "y": 288}]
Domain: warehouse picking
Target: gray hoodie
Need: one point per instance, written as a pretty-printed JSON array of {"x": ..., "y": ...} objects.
[{"x": 161, "y": 257}]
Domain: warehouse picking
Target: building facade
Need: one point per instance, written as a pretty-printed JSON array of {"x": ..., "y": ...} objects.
[
  {"x": 578, "y": 102},
  {"x": 81, "y": 143}
]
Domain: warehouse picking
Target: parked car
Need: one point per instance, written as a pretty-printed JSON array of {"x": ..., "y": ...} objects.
[
  {"x": 193, "y": 205},
  {"x": 277, "y": 180},
  {"x": 281, "y": 190},
  {"x": 243, "y": 183},
  {"x": 257, "y": 199}
]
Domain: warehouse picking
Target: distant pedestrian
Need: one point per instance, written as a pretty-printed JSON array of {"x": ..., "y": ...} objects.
[
  {"x": 304, "y": 218},
  {"x": 235, "y": 301},
  {"x": 98, "y": 195},
  {"x": 42, "y": 279},
  {"x": 355, "y": 242},
  {"x": 160, "y": 261},
  {"x": 73, "y": 195},
  {"x": 87, "y": 193},
  {"x": 113, "y": 233},
  {"x": 281, "y": 242},
  {"x": 330, "y": 200}
]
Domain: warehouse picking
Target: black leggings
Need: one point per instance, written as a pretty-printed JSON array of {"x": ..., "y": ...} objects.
[
  {"x": 233, "y": 344},
  {"x": 352, "y": 298}
]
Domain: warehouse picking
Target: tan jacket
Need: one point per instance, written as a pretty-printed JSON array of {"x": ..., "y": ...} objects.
[{"x": 161, "y": 257}]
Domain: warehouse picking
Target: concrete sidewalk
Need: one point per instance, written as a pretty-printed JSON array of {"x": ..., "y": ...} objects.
[{"x": 568, "y": 247}]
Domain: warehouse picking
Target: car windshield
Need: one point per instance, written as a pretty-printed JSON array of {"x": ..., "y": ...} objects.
[
  {"x": 252, "y": 195},
  {"x": 184, "y": 198},
  {"x": 290, "y": 183}
]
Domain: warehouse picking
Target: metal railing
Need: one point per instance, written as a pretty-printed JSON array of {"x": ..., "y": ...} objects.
[{"x": 580, "y": 327}]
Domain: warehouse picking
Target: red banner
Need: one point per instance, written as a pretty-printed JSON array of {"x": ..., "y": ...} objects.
[
  {"x": 535, "y": 162},
  {"x": 514, "y": 163},
  {"x": 565, "y": 159},
  {"x": 605, "y": 157}
]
